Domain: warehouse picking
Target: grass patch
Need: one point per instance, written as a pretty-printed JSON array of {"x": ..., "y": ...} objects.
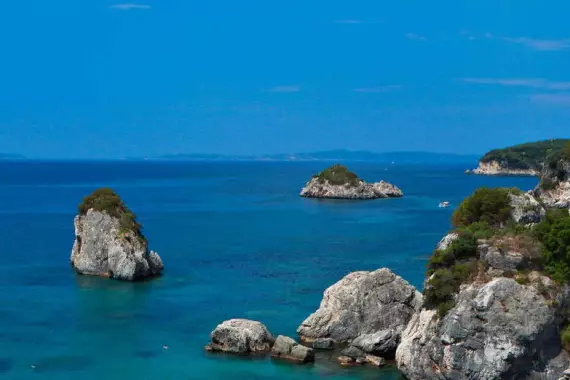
[{"x": 338, "y": 175}]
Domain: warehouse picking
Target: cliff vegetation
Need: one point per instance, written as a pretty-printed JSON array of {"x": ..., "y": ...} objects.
[{"x": 527, "y": 156}]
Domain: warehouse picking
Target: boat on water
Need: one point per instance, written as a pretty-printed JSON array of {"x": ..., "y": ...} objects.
[{"x": 444, "y": 204}]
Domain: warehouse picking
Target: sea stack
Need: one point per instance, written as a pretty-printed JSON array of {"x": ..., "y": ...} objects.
[
  {"x": 337, "y": 182},
  {"x": 109, "y": 242}
]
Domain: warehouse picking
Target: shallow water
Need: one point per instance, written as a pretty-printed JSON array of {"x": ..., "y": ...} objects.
[{"x": 237, "y": 241}]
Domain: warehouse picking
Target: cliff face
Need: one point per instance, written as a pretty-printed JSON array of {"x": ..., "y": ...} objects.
[
  {"x": 103, "y": 248},
  {"x": 497, "y": 330},
  {"x": 317, "y": 188},
  {"x": 505, "y": 322},
  {"x": 499, "y": 168},
  {"x": 554, "y": 187}
]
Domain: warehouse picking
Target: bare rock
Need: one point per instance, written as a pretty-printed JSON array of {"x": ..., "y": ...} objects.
[
  {"x": 323, "y": 344},
  {"x": 241, "y": 336},
  {"x": 287, "y": 348},
  {"x": 526, "y": 209},
  {"x": 363, "y": 303}
]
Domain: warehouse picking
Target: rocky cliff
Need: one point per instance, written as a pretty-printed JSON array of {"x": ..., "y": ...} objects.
[
  {"x": 554, "y": 187},
  {"x": 501, "y": 168},
  {"x": 109, "y": 243},
  {"x": 339, "y": 183}
]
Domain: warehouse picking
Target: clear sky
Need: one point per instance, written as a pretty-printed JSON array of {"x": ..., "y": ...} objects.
[{"x": 105, "y": 79}]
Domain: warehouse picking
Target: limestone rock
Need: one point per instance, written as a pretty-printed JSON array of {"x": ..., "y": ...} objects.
[
  {"x": 338, "y": 182},
  {"x": 103, "y": 248},
  {"x": 554, "y": 187},
  {"x": 323, "y": 344},
  {"x": 499, "y": 168},
  {"x": 446, "y": 241},
  {"x": 382, "y": 343},
  {"x": 526, "y": 209},
  {"x": 241, "y": 336},
  {"x": 363, "y": 303},
  {"x": 497, "y": 330},
  {"x": 287, "y": 348}
]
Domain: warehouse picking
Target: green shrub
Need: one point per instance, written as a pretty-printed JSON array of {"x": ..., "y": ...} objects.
[
  {"x": 480, "y": 230},
  {"x": 462, "y": 248},
  {"x": 526, "y": 156},
  {"x": 566, "y": 151},
  {"x": 547, "y": 184},
  {"x": 107, "y": 201},
  {"x": 490, "y": 206},
  {"x": 554, "y": 234},
  {"x": 338, "y": 175}
]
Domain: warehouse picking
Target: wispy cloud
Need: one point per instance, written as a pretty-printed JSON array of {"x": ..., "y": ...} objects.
[
  {"x": 553, "y": 99},
  {"x": 285, "y": 89},
  {"x": 413, "y": 36},
  {"x": 388, "y": 88},
  {"x": 541, "y": 45},
  {"x": 130, "y": 6},
  {"x": 520, "y": 82},
  {"x": 348, "y": 21}
]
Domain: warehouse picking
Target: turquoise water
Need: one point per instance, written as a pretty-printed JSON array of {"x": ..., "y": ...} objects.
[{"x": 237, "y": 241}]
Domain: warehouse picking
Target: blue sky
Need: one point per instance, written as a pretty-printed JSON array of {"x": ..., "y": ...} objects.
[{"x": 109, "y": 79}]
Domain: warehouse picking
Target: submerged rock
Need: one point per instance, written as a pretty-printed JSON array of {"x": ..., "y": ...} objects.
[
  {"x": 241, "y": 336},
  {"x": 364, "y": 303},
  {"x": 496, "y": 330},
  {"x": 108, "y": 241},
  {"x": 339, "y": 183},
  {"x": 323, "y": 344},
  {"x": 287, "y": 348}
]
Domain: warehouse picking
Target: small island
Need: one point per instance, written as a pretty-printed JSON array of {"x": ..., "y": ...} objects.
[
  {"x": 109, "y": 241},
  {"x": 522, "y": 160},
  {"x": 337, "y": 182}
]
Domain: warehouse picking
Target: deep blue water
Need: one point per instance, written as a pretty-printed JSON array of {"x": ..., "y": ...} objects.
[{"x": 237, "y": 241}]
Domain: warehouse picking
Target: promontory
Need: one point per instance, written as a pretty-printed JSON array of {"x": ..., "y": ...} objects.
[
  {"x": 109, "y": 241},
  {"x": 337, "y": 182},
  {"x": 523, "y": 160}
]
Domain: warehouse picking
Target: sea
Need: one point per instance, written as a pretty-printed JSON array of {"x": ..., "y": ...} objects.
[{"x": 237, "y": 242}]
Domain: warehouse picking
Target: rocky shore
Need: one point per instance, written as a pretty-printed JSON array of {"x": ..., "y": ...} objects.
[
  {"x": 499, "y": 169},
  {"x": 337, "y": 182},
  {"x": 109, "y": 242}
]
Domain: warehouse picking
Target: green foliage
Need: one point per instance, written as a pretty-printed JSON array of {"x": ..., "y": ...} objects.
[
  {"x": 462, "y": 248},
  {"x": 526, "y": 156},
  {"x": 566, "y": 151},
  {"x": 480, "y": 230},
  {"x": 107, "y": 201},
  {"x": 554, "y": 234},
  {"x": 444, "y": 283},
  {"x": 338, "y": 175},
  {"x": 486, "y": 205}
]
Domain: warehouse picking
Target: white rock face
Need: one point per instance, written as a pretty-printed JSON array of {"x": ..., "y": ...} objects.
[
  {"x": 526, "y": 209},
  {"x": 496, "y": 168},
  {"x": 379, "y": 303},
  {"x": 317, "y": 188},
  {"x": 102, "y": 249},
  {"x": 497, "y": 330}
]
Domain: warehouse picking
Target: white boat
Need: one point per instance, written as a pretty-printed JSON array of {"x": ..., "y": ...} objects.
[{"x": 444, "y": 204}]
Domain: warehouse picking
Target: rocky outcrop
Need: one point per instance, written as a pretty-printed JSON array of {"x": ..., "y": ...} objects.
[
  {"x": 497, "y": 330},
  {"x": 526, "y": 209},
  {"x": 363, "y": 303},
  {"x": 323, "y": 344},
  {"x": 287, "y": 348},
  {"x": 498, "y": 168},
  {"x": 338, "y": 182},
  {"x": 363, "y": 190},
  {"x": 104, "y": 248},
  {"x": 354, "y": 356},
  {"x": 241, "y": 336},
  {"x": 554, "y": 187}
]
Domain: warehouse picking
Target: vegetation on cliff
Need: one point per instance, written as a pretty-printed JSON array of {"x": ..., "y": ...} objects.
[
  {"x": 485, "y": 217},
  {"x": 338, "y": 175},
  {"x": 107, "y": 201},
  {"x": 527, "y": 156}
]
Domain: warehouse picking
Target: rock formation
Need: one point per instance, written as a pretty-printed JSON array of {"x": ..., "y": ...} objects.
[
  {"x": 374, "y": 307},
  {"x": 108, "y": 241},
  {"x": 498, "y": 168},
  {"x": 498, "y": 330},
  {"x": 241, "y": 336},
  {"x": 337, "y": 182},
  {"x": 526, "y": 209},
  {"x": 287, "y": 348},
  {"x": 554, "y": 187}
]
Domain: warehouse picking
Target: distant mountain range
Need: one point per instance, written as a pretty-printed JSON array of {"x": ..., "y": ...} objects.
[
  {"x": 7, "y": 156},
  {"x": 332, "y": 155}
]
